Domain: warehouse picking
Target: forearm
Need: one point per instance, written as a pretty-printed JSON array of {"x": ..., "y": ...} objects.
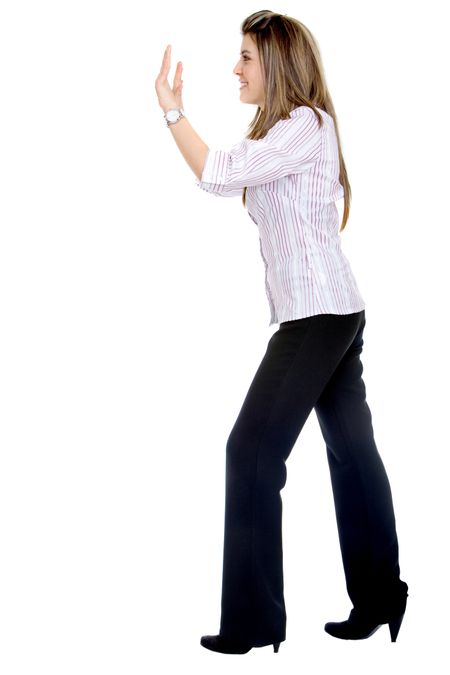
[{"x": 191, "y": 146}]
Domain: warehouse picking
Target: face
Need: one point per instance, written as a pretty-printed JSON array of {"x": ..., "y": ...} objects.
[{"x": 249, "y": 71}]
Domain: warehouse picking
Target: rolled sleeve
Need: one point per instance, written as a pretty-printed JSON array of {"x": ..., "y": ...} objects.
[
  {"x": 215, "y": 174},
  {"x": 291, "y": 146}
]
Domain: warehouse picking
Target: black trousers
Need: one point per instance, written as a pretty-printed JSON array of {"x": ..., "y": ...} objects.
[{"x": 309, "y": 363}]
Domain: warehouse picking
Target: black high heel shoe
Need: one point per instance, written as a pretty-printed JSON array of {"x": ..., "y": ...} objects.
[
  {"x": 359, "y": 627},
  {"x": 217, "y": 643}
]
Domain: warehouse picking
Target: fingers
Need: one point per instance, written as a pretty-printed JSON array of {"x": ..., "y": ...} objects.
[{"x": 165, "y": 66}]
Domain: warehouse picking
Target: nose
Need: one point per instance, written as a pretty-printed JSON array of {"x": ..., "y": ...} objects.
[{"x": 236, "y": 69}]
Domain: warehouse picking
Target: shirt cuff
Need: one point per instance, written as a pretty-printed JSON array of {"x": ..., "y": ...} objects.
[{"x": 214, "y": 173}]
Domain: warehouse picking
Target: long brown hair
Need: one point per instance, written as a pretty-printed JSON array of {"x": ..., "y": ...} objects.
[{"x": 293, "y": 75}]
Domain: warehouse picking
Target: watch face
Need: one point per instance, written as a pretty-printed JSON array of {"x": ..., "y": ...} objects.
[{"x": 172, "y": 115}]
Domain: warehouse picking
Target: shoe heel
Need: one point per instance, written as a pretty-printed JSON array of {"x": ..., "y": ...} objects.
[
  {"x": 276, "y": 646},
  {"x": 394, "y": 626}
]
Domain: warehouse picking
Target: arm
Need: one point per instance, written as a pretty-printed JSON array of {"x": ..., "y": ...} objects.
[{"x": 191, "y": 146}]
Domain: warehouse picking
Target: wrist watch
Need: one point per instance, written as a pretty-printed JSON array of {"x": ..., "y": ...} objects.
[{"x": 173, "y": 115}]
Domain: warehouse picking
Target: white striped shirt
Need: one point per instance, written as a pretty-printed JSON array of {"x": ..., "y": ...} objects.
[{"x": 292, "y": 179}]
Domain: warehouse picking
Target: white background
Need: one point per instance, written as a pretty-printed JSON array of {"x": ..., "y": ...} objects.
[{"x": 133, "y": 317}]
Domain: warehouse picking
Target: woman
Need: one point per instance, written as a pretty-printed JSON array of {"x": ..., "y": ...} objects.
[{"x": 290, "y": 171}]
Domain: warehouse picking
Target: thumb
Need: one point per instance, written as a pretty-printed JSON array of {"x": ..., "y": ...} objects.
[{"x": 178, "y": 94}]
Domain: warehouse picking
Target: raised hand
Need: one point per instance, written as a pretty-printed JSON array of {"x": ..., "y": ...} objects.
[{"x": 169, "y": 97}]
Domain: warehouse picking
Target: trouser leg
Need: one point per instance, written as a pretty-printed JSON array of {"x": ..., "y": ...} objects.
[
  {"x": 361, "y": 490},
  {"x": 300, "y": 359}
]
